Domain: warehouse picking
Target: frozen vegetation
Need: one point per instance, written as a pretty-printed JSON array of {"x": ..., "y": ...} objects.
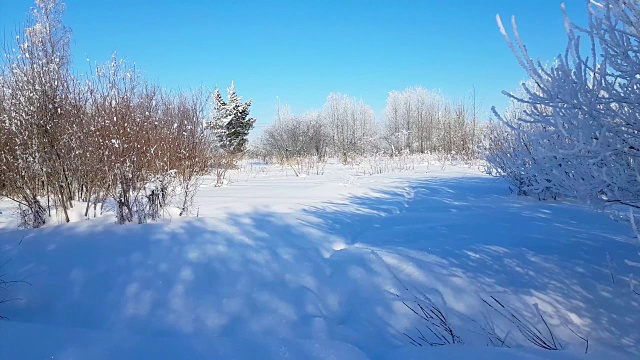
[{"x": 137, "y": 222}]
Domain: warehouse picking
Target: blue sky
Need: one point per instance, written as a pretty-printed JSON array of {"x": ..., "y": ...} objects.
[{"x": 299, "y": 51}]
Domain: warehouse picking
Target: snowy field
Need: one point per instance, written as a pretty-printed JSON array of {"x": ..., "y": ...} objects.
[{"x": 277, "y": 266}]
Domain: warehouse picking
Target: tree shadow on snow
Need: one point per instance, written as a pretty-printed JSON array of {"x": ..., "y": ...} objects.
[
  {"x": 329, "y": 272},
  {"x": 468, "y": 238}
]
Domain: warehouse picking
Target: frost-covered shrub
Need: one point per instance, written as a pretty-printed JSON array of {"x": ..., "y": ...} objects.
[
  {"x": 65, "y": 138},
  {"x": 578, "y": 132},
  {"x": 382, "y": 163},
  {"x": 299, "y": 142}
]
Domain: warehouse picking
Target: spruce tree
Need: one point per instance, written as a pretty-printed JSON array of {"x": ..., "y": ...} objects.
[{"x": 230, "y": 122}]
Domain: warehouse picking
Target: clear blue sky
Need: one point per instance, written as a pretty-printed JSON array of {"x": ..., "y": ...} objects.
[{"x": 299, "y": 51}]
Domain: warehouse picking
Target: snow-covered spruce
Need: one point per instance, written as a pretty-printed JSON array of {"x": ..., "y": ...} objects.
[{"x": 229, "y": 125}]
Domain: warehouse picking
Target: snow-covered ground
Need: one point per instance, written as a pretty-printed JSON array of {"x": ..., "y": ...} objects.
[{"x": 278, "y": 266}]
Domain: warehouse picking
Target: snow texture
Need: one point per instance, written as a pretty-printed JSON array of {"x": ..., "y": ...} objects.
[{"x": 278, "y": 266}]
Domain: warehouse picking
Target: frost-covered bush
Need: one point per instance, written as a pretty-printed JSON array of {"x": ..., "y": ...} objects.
[
  {"x": 150, "y": 143},
  {"x": 512, "y": 151},
  {"x": 578, "y": 132},
  {"x": 65, "y": 138},
  {"x": 382, "y": 163},
  {"x": 299, "y": 142}
]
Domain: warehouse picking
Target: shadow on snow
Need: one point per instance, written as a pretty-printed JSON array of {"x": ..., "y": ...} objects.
[{"x": 326, "y": 273}]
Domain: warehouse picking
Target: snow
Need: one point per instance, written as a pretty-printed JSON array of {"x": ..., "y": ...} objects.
[{"x": 278, "y": 266}]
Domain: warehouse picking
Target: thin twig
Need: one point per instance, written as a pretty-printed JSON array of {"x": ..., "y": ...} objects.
[{"x": 586, "y": 349}]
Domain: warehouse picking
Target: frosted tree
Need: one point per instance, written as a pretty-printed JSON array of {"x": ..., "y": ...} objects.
[
  {"x": 419, "y": 120},
  {"x": 412, "y": 117},
  {"x": 351, "y": 125},
  {"x": 230, "y": 125}
]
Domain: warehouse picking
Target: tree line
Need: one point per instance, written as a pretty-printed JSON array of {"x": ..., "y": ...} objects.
[{"x": 416, "y": 121}]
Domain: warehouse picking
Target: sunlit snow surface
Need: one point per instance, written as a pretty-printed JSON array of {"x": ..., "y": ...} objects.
[{"x": 277, "y": 266}]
